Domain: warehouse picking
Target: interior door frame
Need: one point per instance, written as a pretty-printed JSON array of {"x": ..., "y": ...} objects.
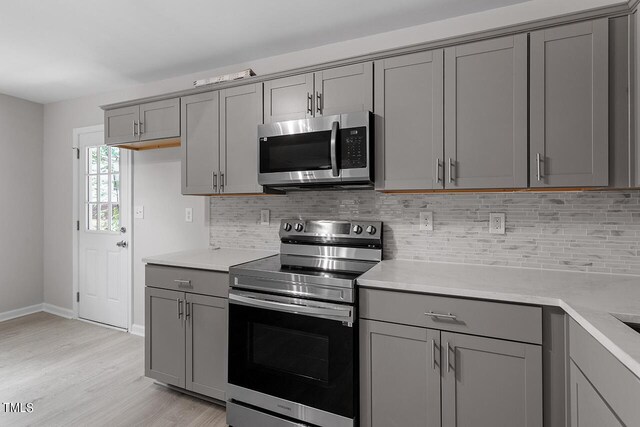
[{"x": 76, "y": 217}]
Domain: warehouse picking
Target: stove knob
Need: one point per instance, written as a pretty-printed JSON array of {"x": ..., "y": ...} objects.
[
  {"x": 299, "y": 227},
  {"x": 371, "y": 229},
  {"x": 357, "y": 229},
  {"x": 286, "y": 226}
]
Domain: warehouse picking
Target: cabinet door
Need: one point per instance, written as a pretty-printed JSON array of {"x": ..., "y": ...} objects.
[
  {"x": 344, "y": 90},
  {"x": 289, "y": 98},
  {"x": 121, "y": 125},
  {"x": 588, "y": 407},
  {"x": 160, "y": 119},
  {"x": 206, "y": 350},
  {"x": 569, "y": 106},
  {"x": 409, "y": 138},
  {"x": 200, "y": 143},
  {"x": 240, "y": 115},
  {"x": 486, "y": 114},
  {"x": 164, "y": 336},
  {"x": 488, "y": 382},
  {"x": 399, "y": 375}
]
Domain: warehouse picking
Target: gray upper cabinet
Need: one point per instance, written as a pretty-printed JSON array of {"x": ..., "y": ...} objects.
[
  {"x": 409, "y": 138},
  {"x": 486, "y": 114},
  {"x": 200, "y": 143},
  {"x": 333, "y": 91},
  {"x": 240, "y": 115},
  {"x": 289, "y": 98},
  {"x": 206, "y": 349},
  {"x": 159, "y": 120},
  {"x": 488, "y": 382},
  {"x": 569, "y": 105},
  {"x": 344, "y": 89},
  {"x": 120, "y": 125},
  {"x": 400, "y": 375},
  {"x": 164, "y": 336},
  {"x": 144, "y": 122}
]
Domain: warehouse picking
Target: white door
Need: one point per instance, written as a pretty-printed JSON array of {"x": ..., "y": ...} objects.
[{"x": 103, "y": 267}]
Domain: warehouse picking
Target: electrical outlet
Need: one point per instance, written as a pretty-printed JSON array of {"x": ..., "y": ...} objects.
[
  {"x": 138, "y": 212},
  {"x": 264, "y": 217},
  {"x": 188, "y": 214},
  {"x": 497, "y": 223},
  {"x": 426, "y": 221}
]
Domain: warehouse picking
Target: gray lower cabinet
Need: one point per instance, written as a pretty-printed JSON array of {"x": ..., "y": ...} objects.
[
  {"x": 486, "y": 133},
  {"x": 602, "y": 392},
  {"x": 400, "y": 375},
  {"x": 488, "y": 382},
  {"x": 569, "y": 105},
  {"x": 200, "y": 143},
  {"x": 240, "y": 115},
  {"x": 186, "y": 333},
  {"x": 333, "y": 91},
  {"x": 144, "y": 122},
  {"x": 409, "y": 136}
]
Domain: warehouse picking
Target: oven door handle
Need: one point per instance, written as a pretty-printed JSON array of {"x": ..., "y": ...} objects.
[
  {"x": 339, "y": 314},
  {"x": 334, "y": 149}
]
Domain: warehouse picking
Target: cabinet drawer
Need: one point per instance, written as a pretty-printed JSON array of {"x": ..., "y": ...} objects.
[
  {"x": 616, "y": 384},
  {"x": 214, "y": 283},
  {"x": 492, "y": 319}
]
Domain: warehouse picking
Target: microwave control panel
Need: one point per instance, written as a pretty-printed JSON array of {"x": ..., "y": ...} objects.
[{"x": 353, "y": 148}]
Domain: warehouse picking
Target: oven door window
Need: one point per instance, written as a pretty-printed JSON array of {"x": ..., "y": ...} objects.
[
  {"x": 303, "y": 359},
  {"x": 300, "y": 152}
]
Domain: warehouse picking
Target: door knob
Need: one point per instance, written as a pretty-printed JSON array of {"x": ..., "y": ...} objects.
[{"x": 122, "y": 244}]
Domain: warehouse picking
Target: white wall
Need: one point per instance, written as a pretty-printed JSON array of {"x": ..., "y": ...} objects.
[
  {"x": 62, "y": 117},
  {"x": 21, "y": 215}
]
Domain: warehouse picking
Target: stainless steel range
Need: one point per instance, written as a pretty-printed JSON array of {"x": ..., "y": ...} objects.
[{"x": 293, "y": 330}]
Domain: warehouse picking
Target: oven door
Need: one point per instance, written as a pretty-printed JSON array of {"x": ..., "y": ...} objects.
[
  {"x": 299, "y": 152},
  {"x": 293, "y": 357}
]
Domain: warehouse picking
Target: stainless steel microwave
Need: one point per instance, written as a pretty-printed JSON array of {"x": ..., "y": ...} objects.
[{"x": 325, "y": 152}]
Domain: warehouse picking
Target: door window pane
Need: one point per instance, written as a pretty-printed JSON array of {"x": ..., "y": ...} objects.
[{"x": 102, "y": 196}]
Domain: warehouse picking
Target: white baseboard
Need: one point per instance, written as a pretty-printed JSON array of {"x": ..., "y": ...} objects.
[
  {"x": 19, "y": 312},
  {"x": 137, "y": 330},
  {"x": 58, "y": 311}
]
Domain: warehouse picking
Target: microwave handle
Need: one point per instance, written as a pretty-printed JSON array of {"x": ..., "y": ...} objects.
[{"x": 334, "y": 154}]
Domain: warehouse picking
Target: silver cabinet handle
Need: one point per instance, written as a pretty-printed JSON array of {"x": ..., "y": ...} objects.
[
  {"x": 183, "y": 283},
  {"x": 318, "y": 103},
  {"x": 309, "y": 102},
  {"x": 451, "y": 179},
  {"x": 438, "y": 170},
  {"x": 214, "y": 181},
  {"x": 433, "y": 354},
  {"x": 538, "y": 168},
  {"x": 334, "y": 154},
  {"x": 441, "y": 315},
  {"x": 188, "y": 313},
  {"x": 140, "y": 128},
  {"x": 222, "y": 182},
  {"x": 448, "y": 351},
  {"x": 133, "y": 128},
  {"x": 179, "y": 302}
]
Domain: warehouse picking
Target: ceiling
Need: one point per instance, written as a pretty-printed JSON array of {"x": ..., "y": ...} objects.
[{"x": 61, "y": 49}]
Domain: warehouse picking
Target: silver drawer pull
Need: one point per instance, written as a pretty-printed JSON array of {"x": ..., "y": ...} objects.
[
  {"x": 183, "y": 283},
  {"x": 441, "y": 315}
]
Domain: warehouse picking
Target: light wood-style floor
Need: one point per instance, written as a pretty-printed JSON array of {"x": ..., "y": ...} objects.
[{"x": 78, "y": 374}]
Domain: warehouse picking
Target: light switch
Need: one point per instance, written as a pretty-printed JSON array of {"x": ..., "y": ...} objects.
[
  {"x": 138, "y": 212},
  {"x": 264, "y": 217},
  {"x": 188, "y": 214}
]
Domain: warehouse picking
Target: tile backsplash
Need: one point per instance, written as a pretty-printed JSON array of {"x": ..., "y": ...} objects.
[{"x": 584, "y": 231}]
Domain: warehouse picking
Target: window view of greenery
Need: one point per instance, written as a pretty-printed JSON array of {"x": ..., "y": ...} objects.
[{"x": 103, "y": 188}]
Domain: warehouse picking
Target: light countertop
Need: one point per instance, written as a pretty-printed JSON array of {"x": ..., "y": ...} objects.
[
  {"x": 208, "y": 258},
  {"x": 591, "y": 299}
]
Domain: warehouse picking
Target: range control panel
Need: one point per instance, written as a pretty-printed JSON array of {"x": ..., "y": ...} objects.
[
  {"x": 353, "y": 148},
  {"x": 295, "y": 228}
]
